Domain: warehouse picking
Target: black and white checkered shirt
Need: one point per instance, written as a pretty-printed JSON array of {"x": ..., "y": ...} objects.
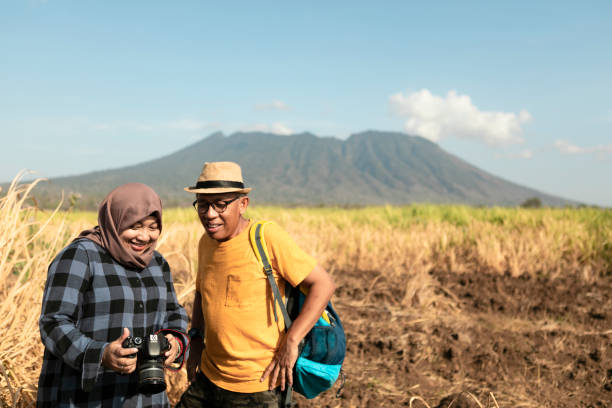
[{"x": 88, "y": 299}]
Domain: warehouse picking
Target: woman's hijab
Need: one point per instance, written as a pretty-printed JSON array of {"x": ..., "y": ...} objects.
[{"x": 122, "y": 208}]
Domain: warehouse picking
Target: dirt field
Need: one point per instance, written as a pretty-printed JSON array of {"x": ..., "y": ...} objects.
[
  {"x": 443, "y": 306},
  {"x": 514, "y": 342}
]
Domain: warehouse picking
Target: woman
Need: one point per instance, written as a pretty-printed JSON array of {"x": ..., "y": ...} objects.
[{"x": 106, "y": 285}]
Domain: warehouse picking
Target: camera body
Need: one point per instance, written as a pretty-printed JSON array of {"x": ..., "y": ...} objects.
[{"x": 150, "y": 363}]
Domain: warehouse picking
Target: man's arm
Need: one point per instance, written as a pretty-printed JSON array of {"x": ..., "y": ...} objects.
[
  {"x": 175, "y": 326},
  {"x": 197, "y": 343},
  {"x": 320, "y": 289}
]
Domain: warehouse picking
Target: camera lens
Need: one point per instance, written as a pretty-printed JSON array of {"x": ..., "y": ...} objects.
[{"x": 151, "y": 377}]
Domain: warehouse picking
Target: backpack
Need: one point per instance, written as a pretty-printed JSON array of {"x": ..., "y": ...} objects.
[{"x": 322, "y": 351}]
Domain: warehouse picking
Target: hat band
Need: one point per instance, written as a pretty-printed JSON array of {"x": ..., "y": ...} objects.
[{"x": 219, "y": 183}]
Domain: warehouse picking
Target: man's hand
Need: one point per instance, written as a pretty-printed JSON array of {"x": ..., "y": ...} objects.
[
  {"x": 173, "y": 353},
  {"x": 196, "y": 344},
  {"x": 116, "y": 358},
  {"x": 195, "y": 354},
  {"x": 320, "y": 289},
  {"x": 282, "y": 364}
]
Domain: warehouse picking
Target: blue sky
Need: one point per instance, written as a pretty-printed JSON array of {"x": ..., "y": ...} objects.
[{"x": 521, "y": 89}]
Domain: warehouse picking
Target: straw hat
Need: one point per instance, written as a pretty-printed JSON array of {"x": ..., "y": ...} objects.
[{"x": 218, "y": 178}]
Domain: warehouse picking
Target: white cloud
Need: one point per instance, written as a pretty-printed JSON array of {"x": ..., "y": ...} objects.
[
  {"x": 276, "y": 128},
  {"x": 525, "y": 154},
  {"x": 274, "y": 105},
  {"x": 33, "y": 128},
  {"x": 102, "y": 126},
  {"x": 436, "y": 118},
  {"x": 190, "y": 125},
  {"x": 126, "y": 125},
  {"x": 181, "y": 125},
  {"x": 566, "y": 147}
]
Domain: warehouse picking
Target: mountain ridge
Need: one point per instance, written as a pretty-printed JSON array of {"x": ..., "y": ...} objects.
[{"x": 368, "y": 168}]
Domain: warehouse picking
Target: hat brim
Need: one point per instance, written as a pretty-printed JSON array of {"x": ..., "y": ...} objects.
[{"x": 219, "y": 190}]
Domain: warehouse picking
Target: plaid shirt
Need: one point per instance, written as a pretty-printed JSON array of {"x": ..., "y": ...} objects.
[{"x": 88, "y": 299}]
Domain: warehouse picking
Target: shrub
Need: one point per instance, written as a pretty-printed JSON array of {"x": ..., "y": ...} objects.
[{"x": 533, "y": 202}]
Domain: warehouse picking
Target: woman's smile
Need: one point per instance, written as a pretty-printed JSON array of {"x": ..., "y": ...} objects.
[
  {"x": 142, "y": 235},
  {"x": 139, "y": 246}
]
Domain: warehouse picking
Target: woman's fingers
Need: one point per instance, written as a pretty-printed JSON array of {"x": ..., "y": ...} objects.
[
  {"x": 173, "y": 353},
  {"x": 124, "y": 359}
]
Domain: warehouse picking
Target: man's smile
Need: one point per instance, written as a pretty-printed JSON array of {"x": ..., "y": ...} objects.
[{"x": 212, "y": 227}]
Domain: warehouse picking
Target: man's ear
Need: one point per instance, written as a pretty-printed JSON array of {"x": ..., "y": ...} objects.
[{"x": 244, "y": 203}]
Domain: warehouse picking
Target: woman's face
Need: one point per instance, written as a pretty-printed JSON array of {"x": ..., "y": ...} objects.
[{"x": 142, "y": 235}]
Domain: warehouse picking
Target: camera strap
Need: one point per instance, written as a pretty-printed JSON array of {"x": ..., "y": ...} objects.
[{"x": 183, "y": 339}]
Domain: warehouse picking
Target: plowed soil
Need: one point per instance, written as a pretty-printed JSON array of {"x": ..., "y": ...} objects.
[{"x": 500, "y": 340}]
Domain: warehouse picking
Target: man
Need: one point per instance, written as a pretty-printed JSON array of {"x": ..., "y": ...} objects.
[{"x": 240, "y": 355}]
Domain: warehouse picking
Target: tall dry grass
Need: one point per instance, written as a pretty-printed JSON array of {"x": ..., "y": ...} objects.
[
  {"x": 25, "y": 250},
  {"x": 398, "y": 247}
]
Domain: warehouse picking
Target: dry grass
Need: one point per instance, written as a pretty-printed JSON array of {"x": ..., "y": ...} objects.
[{"x": 393, "y": 249}]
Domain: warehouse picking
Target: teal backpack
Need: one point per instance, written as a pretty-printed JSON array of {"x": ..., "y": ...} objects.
[{"x": 322, "y": 351}]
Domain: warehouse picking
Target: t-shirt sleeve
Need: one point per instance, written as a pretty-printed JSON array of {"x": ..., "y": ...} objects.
[{"x": 288, "y": 259}]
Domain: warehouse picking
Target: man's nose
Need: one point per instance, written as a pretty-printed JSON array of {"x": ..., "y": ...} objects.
[{"x": 210, "y": 212}]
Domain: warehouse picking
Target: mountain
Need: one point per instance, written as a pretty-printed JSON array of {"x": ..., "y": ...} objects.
[{"x": 368, "y": 168}]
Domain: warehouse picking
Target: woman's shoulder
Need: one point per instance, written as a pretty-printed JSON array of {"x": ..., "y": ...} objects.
[
  {"x": 84, "y": 244},
  {"x": 158, "y": 258},
  {"x": 83, "y": 249},
  {"x": 77, "y": 252}
]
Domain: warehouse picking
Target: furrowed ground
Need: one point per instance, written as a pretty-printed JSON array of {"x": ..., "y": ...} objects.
[{"x": 443, "y": 306}]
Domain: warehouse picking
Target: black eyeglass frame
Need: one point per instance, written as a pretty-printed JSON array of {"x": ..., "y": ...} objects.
[{"x": 215, "y": 205}]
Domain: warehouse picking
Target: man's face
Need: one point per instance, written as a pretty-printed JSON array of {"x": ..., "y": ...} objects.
[{"x": 220, "y": 224}]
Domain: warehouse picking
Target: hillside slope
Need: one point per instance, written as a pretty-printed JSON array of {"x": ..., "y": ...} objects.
[{"x": 368, "y": 168}]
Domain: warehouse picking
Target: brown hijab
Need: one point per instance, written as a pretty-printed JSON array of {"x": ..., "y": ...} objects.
[{"x": 122, "y": 208}]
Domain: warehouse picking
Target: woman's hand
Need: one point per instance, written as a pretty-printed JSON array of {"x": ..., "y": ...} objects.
[
  {"x": 282, "y": 364},
  {"x": 173, "y": 353},
  {"x": 120, "y": 359}
]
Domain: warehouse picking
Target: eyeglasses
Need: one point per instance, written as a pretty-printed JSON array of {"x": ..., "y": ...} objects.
[{"x": 218, "y": 206}]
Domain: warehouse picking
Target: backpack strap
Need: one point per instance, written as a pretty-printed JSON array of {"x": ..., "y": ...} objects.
[
  {"x": 258, "y": 243},
  {"x": 259, "y": 246}
]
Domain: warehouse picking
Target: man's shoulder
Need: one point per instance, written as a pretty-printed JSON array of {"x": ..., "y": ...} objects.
[
  {"x": 277, "y": 237},
  {"x": 270, "y": 227}
]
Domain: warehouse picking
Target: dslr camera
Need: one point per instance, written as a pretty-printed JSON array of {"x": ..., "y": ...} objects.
[{"x": 150, "y": 363}]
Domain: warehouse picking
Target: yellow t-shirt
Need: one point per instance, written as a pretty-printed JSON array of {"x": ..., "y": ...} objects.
[{"x": 240, "y": 333}]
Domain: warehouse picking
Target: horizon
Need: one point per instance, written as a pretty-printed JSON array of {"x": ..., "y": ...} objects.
[
  {"x": 569, "y": 203},
  {"x": 518, "y": 90}
]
